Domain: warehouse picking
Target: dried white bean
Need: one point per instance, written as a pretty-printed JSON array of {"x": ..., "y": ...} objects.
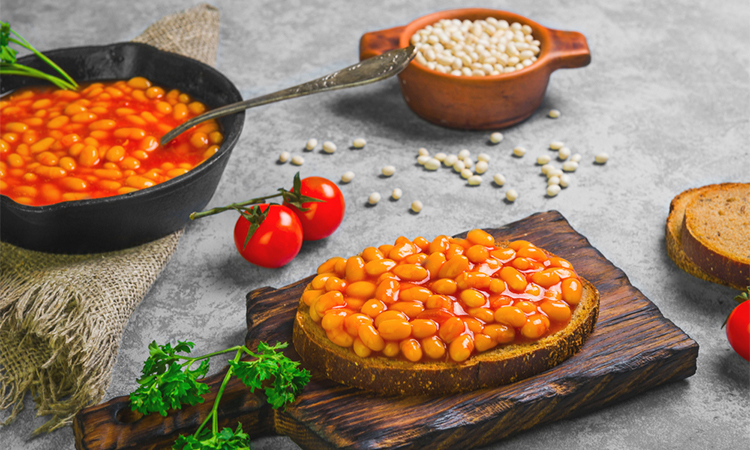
[
  {"x": 423, "y": 152},
  {"x": 481, "y": 167},
  {"x": 511, "y": 195},
  {"x": 553, "y": 180},
  {"x": 463, "y": 154},
  {"x": 388, "y": 170},
  {"x": 423, "y": 159},
  {"x": 450, "y": 160},
  {"x": 542, "y": 160},
  {"x": 519, "y": 151},
  {"x": 565, "y": 180},
  {"x": 347, "y": 177},
  {"x": 553, "y": 190},
  {"x": 563, "y": 153},
  {"x": 556, "y": 145},
  {"x": 466, "y": 174},
  {"x": 458, "y": 166},
  {"x": 475, "y": 180},
  {"x": 553, "y": 113},
  {"x": 601, "y": 158},
  {"x": 432, "y": 164},
  {"x": 499, "y": 179},
  {"x": 496, "y": 137},
  {"x": 440, "y": 156},
  {"x": 416, "y": 206},
  {"x": 576, "y": 157},
  {"x": 396, "y": 194},
  {"x": 483, "y": 157},
  {"x": 570, "y": 166},
  {"x": 554, "y": 173},
  {"x": 284, "y": 157},
  {"x": 374, "y": 198},
  {"x": 547, "y": 168},
  {"x": 298, "y": 160},
  {"x": 359, "y": 143},
  {"x": 311, "y": 144},
  {"x": 329, "y": 147},
  {"x": 467, "y": 162}
]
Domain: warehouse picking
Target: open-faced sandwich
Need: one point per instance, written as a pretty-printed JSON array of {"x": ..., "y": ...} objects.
[{"x": 446, "y": 316}]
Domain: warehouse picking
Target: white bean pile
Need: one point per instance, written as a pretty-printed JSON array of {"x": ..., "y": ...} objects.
[{"x": 479, "y": 48}]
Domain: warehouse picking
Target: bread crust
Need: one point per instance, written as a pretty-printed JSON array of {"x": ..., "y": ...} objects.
[
  {"x": 502, "y": 365},
  {"x": 675, "y": 227}
]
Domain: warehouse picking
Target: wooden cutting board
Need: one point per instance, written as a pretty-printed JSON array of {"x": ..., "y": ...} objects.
[{"x": 633, "y": 349}]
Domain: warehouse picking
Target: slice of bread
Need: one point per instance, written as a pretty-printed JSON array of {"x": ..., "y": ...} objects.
[
  {"x": 695, "y": 250},
  {"x": 502, "y": 365}
]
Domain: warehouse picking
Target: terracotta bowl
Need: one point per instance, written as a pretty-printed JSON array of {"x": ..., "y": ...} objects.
[{"x": 479, "y": 103}]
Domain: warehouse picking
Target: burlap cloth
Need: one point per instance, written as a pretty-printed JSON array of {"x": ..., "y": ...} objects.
[{"x": 62, "y": 316}]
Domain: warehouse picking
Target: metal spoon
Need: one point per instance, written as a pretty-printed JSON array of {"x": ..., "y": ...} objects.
[{"x": 368, "y": 71}]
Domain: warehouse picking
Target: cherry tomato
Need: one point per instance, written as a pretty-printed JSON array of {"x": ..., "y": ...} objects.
[
  {"x": 321, "y": 218},
  {"x": 276, "y": 241},
  {"x": 738, "y": 329}
]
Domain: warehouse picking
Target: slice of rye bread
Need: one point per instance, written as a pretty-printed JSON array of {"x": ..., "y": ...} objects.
[
  {"x": 716, "y": 233},
  {"x": 501, "y": 365},
  {"x": 674, "y": 230}
]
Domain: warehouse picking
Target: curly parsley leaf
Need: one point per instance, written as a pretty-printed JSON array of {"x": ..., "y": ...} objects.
[
  {"x": 168, "y": 382},
  {"x": 271, "y": 364},
  {"x": 226, "y": 439}
]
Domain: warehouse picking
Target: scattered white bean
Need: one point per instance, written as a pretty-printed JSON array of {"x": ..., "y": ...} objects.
[
  {"x": 468, "y": 162},
  {"x": 396, "y": 194},
  {"x": 563, "y": 153},
  {"x": 519, "y": 151},
  {"x": 553, "y": 180},
  {"x": 481, "y": 167},
  {"x": 496, "y": 137},
  {"x": 553, "y": 189},
  {"x": 450, "y": 160},
  {"x": 483, "y": 157},
  {"x": 359, "y": 143},
  {"x": 284, "y": 157},
  {"x": 440, "y": 156},
  {"x": 542, "y": 160},
  {"x": 553, "y": 113},
  {"x": 554, "y": 173},
  {"x": 601, "y": 158},
  {"x": 556, "y": 145},
  {"x": 347, "y": 177},
  {"x": 329, "y": 147},
  {"x": 475, "y": 180},
  {"x": 458, "y": 166},
  {"x": 466, "y": 174},
  {"x": 374, "y": 198},
  {"x": 570, "y": 166},
  {"x": 576, "y": 157},
  {"x": 423, "y": 152},
  {"x": 388, "y": 170},
  {"x": 298, "y": 160},
  {"x": 499, "y": 179},
  {"x": 511, "y": 195},
  {"x": 416, "y": 206},
  {"x": 311, "y": 144},
  {"x": 547, "y": 168},
  {"x": 565, "y": 180},
  {"x": 432, "y": 164},
  {"x": 463, "y": 154},
  {"x": 422, "y": 160}
]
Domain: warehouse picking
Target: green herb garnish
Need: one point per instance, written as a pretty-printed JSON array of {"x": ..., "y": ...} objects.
[
  {"x": 9, "y": 66},
  {"x": 168, "y": 381}
]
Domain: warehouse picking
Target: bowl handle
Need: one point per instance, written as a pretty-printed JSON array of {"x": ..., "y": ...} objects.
[
  {"x": 569, "y": 50},
  {"x": 378, "y": 42}
]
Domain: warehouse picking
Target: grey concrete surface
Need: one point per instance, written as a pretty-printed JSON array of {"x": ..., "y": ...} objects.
[{"x": 667, "y": 95}]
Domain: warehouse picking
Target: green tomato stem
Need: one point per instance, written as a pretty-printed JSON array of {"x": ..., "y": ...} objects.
[{"x": 234, "y": 206}]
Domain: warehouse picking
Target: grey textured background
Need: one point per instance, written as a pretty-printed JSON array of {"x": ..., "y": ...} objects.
[{"x": 667, "y": 95}]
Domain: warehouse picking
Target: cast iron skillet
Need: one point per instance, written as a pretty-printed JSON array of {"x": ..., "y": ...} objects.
[{"x": 122, "y": 221}]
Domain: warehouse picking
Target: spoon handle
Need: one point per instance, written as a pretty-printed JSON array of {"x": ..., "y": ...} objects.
[{"x": 367, "y": 71}]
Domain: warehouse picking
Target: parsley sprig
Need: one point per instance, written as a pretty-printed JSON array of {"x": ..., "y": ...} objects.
[
  {"x": 250, "y": 209},
  {"x": 9, "y": 66},
  {"x": 169, "y": 380}
]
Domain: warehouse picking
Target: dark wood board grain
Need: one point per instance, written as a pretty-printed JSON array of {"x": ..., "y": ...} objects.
[{"x": 633, "y": 349}]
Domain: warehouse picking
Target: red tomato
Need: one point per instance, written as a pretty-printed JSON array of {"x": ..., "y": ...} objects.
[
  {"x": 738, "y": 329},
  {"x": 276, "y": 241},
  {"x": 321, "y": 218}
]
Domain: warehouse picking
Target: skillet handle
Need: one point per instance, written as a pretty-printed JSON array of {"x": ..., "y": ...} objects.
[
  {"x": 568, "y": 50},
  {"x": 378, "y": 42}
]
